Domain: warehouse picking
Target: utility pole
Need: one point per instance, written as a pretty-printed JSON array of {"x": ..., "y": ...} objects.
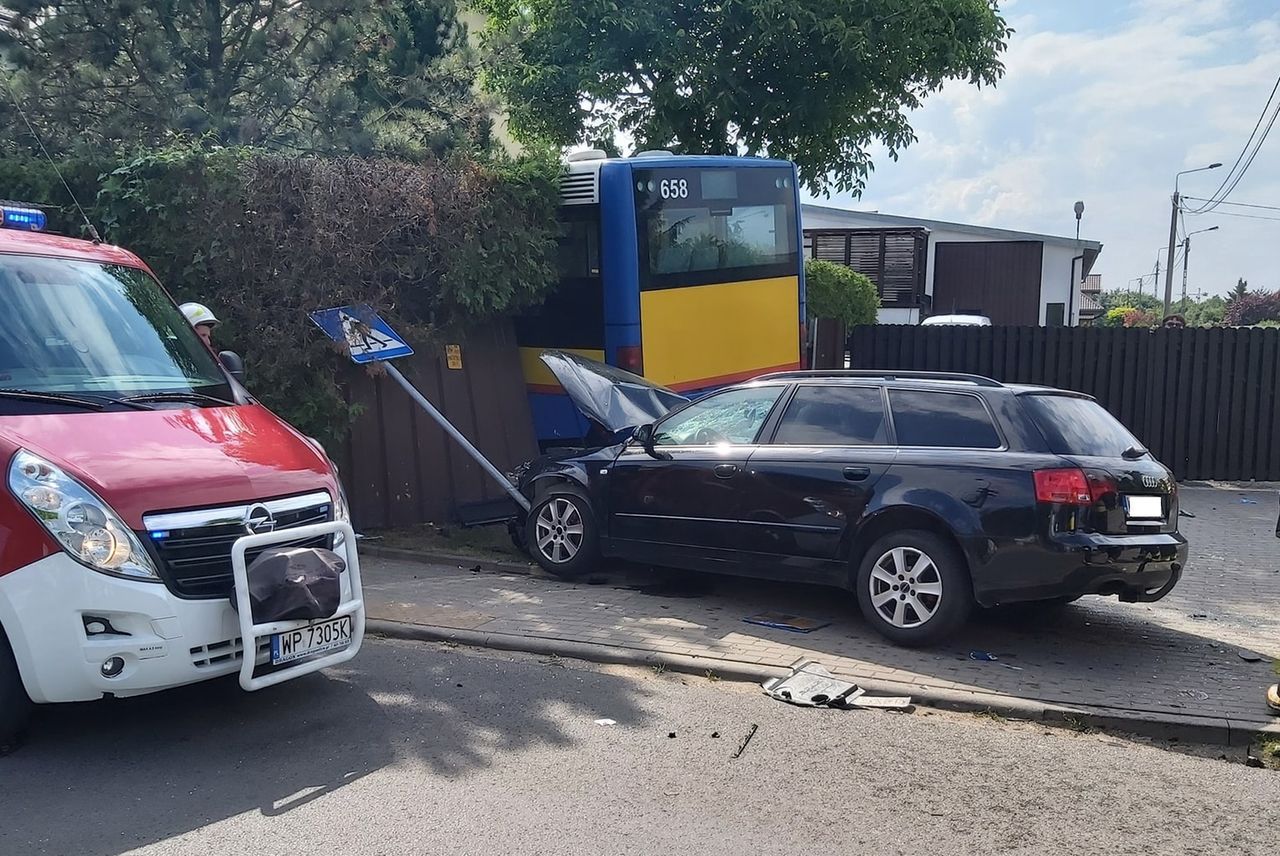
[
  {"x": 1186, "y": 257},
  {"x": 1173, "y": 237},
  {"x": 1173, "y": 234}
]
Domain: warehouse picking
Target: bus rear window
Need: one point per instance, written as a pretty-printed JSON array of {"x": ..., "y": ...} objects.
[{"x": 704, "y": 226}]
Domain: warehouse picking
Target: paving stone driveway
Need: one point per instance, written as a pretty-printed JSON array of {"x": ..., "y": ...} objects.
[{"x": 1178, "y": 657}]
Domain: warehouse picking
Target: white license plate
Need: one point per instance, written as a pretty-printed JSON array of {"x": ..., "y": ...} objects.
[
  {"x": 316, "y": 638},
  {"x": 1144, "y": 507}
]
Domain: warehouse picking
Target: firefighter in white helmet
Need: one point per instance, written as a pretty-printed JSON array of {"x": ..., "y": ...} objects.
[{"x": 202, "y": 319}]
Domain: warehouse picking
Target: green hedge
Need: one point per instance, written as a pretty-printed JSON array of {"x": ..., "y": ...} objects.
[
  {"x": 263, "y": 239},
  {"x": 835, "y": 291}
]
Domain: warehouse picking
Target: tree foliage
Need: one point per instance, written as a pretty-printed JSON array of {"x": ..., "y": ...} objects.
[
  {"x": 1129, "y": 298},
  {"x": 814, "y": 81},
  {"x": 1240, "y": 289},
  {"x": 1254, "y": 307},
  {"x": 1129, "y": 316},
  {"x": 1209, "y": 312},
  {"x": 348, "y": 76},
  {"x": 264, "y": 239},
  {"x": 1197, "y": 313},
  {"x": 835, "y": 291}
]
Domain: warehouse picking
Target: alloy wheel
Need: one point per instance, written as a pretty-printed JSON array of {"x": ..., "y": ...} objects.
[
  {"x": 559, "y": 531},
  {"x": 906, "y": 587}
]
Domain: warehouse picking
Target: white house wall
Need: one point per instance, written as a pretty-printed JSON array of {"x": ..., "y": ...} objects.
[{"x": 1055, "y": 265}]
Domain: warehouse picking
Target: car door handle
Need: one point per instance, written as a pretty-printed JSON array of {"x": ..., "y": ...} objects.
[
  {"x": 726, "y": 471},
  {"x": 857, "y": 473}
]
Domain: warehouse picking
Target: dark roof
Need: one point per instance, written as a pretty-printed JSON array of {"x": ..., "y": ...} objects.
[{"x": 967, "y": 228}]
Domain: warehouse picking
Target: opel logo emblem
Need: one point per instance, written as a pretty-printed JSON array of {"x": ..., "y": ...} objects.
[{"x": 258, "y": 520}]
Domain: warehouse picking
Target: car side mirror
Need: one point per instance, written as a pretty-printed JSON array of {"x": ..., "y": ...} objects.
[
  {"x": 233, "y": 364},
  {"x": 644, "y": 436}
]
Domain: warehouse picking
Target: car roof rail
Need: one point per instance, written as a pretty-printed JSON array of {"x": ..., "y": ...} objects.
[{"x": 952, "y": 377}]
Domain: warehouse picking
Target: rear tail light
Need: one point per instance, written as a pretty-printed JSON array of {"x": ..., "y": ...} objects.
[
  {"x": 631, "y": 358},
  {"x": 1101, "y": 484},
  {"x": 1064, "y": 487}
]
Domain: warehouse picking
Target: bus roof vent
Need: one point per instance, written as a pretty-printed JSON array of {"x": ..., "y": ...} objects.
[
  {"x": 585, "y": 155},
  {"x": 580, "y": 188},
  {"x": 654, "y": 153}
]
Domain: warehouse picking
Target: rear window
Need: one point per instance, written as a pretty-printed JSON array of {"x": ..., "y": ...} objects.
[
  {"x": 1079, "y": 426},
  {"x": 944, "y": 419},
  {"x": 834, "y": 416}
]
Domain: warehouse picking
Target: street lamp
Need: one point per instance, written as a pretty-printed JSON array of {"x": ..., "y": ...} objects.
[
  {"x": 1186, "y": 257},
  {"x": 1173, "y": 231},
  {"x": 1075, "y": 282}
]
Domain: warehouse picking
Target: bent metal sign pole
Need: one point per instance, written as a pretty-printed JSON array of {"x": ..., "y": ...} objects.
[{"x": 369, "y": 339}]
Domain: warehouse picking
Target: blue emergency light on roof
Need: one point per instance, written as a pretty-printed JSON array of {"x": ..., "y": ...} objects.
[{"x": 20, "y": 217}]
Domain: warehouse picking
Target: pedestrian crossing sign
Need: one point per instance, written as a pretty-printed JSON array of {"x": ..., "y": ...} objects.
[{"x": 366, "y": 337}]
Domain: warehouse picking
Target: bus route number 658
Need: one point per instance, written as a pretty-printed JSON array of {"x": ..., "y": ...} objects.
[{"x": 675, "y": 188}]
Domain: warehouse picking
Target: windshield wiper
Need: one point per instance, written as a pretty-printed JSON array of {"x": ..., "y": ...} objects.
[
  {"x": 92, "y": 402},
  {"x": 191, "y": 397},
  {"x": 1133, "y": 453}
]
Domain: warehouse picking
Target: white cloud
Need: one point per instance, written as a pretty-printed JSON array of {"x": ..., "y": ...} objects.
[{"x": 1106, "y": 108}]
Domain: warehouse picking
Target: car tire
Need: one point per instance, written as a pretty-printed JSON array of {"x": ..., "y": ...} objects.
[
  {"x": 909, "y": 603},
  {"x": 562, "y": 533},
  {"x": 15, "y": 706}
]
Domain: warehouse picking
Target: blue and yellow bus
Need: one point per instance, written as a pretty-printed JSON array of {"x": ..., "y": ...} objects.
[{"x": 684, "y": 269}]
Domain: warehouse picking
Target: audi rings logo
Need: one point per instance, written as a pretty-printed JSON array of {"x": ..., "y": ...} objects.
[
  {"x": 258, "y": 520},
  {"x": 1147, "y": 481}
]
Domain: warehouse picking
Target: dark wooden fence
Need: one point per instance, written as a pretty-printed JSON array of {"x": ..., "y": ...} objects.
[
  {"x": 400, "y": 468},
  {"x": 1204, "y": 401}
]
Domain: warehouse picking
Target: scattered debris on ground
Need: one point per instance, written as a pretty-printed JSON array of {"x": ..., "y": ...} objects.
[
  {"x": 606, "y": 722},
  {"x": 1250, "y": 656},
  {"x": 783, "y": 621},
  {"x": 810, "y": 684},
  {"x": 742, "y": 747},
  {"x": 986, "y": 657}
]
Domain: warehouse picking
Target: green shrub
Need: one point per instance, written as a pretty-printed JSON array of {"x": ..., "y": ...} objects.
[
  {"x": 835, "y": 291},
  {"x": 1115, "y": 317}
]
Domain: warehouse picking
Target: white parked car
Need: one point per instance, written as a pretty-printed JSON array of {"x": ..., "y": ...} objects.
[{"x": 961, "y": 320}]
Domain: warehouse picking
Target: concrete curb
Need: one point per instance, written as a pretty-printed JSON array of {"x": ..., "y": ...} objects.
[{"x": 1189, "y": 729}]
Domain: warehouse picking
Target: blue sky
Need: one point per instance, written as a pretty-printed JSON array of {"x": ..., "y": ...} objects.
[{"x": 1104, "y": 102}]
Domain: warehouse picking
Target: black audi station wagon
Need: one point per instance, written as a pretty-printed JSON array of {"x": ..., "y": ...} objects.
[{"x": 926, "y": 494}]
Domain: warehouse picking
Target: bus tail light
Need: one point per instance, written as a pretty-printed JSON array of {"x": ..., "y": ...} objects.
[{"x": 631, "y": 358}]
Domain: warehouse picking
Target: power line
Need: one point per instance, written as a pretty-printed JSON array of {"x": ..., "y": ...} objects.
[
  {"x": 1238, "y": 204},
  {"x": 1247, "y": 216},
  {"x": 1275, "y": 114},
  {"x": 1246, "y": 156}
]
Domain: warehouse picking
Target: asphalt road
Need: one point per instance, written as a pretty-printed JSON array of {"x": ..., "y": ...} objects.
[{"x": 421, "y": 749}]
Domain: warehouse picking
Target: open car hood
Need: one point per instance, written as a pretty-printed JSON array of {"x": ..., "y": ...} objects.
[{"x": 614, "y": 399}]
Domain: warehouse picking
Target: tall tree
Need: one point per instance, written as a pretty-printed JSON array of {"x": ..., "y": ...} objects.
[
  {"x": 329, "y": 75},
  {"x": 815, "y": 81},
  {"x": 1240, "y": 290}
]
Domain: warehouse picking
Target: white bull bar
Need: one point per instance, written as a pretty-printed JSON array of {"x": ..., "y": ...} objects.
[{"x": 250, "y": 633}]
